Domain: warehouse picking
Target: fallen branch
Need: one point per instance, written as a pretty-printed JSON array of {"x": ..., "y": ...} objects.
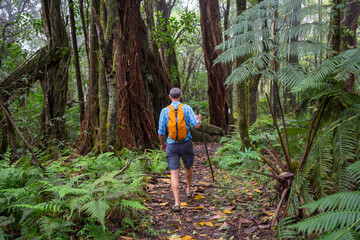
[
  {"x": 128, "y": 164},
  {"x": 279, "y": 205},
  {"x": 35, "y": 160}
]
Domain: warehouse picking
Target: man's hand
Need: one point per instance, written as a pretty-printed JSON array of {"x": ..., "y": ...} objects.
[
  {"x": 163, "y": 143},
  {"x": 163, "y": 147},
  {"x": 199, "y": 117}
]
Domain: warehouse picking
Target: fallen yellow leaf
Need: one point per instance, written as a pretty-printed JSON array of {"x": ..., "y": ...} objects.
[
  {"x": 227, "y": 211},
  {"x": 257, "y": 190},
  {"x": 183, "y": 204},
  {"x": 209, "y": 224},
  {"x": 187, "y": 237},
  {"x": 163, "y": 204},
  {"x": 201, "y": 223},
  {"x": 198, "y": 197},
  {"x": 168, "y": 175},
  {"x": 199, "y": 208},
  {"x": 205, "y": 183}
]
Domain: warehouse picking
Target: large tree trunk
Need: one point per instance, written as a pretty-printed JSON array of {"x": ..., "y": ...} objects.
[
  {"x": 212, "y": 36},
  {"x": 349, "y": 39},
  {"x": 135, "y": 122},
  {"x": 55, "y": 83}
]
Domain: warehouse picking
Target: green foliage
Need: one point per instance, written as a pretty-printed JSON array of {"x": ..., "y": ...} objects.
[
  {"x": 231, "y": 157},
  {"x": 70, "y": 195},
  {"x": 177, "y": 30},
  {"x": 338, "y": 217},
  {"x": 156, "y": 160}
]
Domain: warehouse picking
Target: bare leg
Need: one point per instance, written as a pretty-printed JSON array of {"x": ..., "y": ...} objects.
[
  {"x": 175, "y": 185},
  {"x": 188, "y": 174}
]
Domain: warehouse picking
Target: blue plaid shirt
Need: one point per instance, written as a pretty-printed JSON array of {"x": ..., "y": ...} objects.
[{"x": 190, "y": 118}]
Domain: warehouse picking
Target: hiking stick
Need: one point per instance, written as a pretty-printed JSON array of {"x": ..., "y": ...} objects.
[{"x": 207, "y": 153}]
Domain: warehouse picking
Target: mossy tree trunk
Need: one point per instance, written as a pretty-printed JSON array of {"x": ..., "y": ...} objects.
[
  {"x": 212, "y": 36},
  {"x": 55, "y": 83},
  {"x": 242, "y": 95}
]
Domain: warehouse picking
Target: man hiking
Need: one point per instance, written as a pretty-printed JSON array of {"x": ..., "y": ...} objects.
[{"x": 175, "y": 120}]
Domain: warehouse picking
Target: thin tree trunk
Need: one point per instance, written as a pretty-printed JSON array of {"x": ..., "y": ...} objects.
[
  {"x": 349, "y": 39},
  {"x": 242, "y": 96},
  {"x": 90, "y": 125},
  {"x": 253, "y": 98},
  {"x": 229, "y": 88},
  {"x": 84, "y": 27},
  {"x": 334, "y": 37},
  {"x": 294, "y": 58},
  {"x": 168, "y": 48},
  {"x": 155, "y": 73},
  {"x": 76, "y": 61},
  {"x": 4, "y": 135},
  {"x": 212, "y": 36}
]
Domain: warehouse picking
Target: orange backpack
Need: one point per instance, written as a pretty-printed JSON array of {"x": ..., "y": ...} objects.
[{"x": 177, "y": 125}]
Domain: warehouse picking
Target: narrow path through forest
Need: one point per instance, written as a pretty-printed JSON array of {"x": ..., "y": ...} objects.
[{"x": 211, "y": 213}]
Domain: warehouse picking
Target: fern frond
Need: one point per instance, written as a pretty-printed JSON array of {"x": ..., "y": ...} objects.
[
  {"x": 282, "y": 230},
  {"x": 44, "y": 207},
  {"x": 354, "y": 170},
  {"x": 340, "y": 201},
  {"x": 132, "y": 204},
  {"x": 327, "y": 221},
  {"x": 97, "y": 209},
  {"x": 341, "y": 234}
]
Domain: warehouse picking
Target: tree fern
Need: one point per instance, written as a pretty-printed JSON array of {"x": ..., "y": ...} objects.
[{"x": 332, "y": 219}]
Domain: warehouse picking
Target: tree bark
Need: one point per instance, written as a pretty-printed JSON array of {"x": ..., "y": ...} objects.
[
  {"x": 155, "y": 73},
  {"x": 76, "y": 61},
  {"x": 293, "y": 58},
  {"x": 212, "y": 36},
  {"x": 334, "y": 37},
  {"x": 90, "y": 125},
  {"x": 229, "y": 88},
  {"x": 242, "y": 95},
  {"x": 135, "y": 122},
  {"x": 349, "y": 40},
  {"x": 84, "y": 27},
  {"x": 54, "y": 85},
  {"x": 168, "y": 48},
  {"x": 253, "y": 98}
]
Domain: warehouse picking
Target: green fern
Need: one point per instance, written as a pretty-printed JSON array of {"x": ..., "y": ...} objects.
[
  {"x": 132, "y": 204},
  {"x": 97, "y": 209}
]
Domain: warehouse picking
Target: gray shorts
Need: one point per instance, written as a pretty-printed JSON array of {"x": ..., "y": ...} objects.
[{"x": 175, "y": 150}]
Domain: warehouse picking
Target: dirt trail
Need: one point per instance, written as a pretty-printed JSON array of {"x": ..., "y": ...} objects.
[{"x": 208, "y": 215}]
